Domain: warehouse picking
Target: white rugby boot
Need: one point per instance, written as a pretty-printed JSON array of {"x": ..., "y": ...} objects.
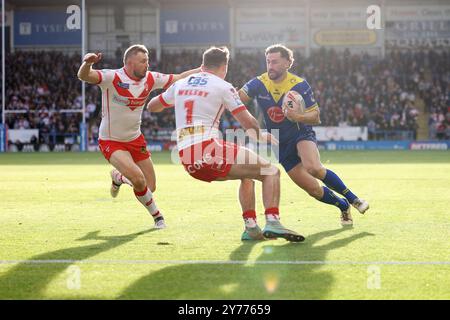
[{"x": 360, "y": 205}]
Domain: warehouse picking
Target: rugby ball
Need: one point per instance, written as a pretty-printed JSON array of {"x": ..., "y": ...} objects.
[{"x": 293, "y": 100}]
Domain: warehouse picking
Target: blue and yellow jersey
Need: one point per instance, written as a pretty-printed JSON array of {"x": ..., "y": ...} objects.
[{"x": 269, "y": 96}]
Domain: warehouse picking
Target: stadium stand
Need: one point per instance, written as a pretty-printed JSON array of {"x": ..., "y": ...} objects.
[{"x": 388, "y": 95}]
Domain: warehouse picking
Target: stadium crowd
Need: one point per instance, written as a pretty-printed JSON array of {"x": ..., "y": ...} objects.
[
  {"x": 352, "y": 90},
  {"x": 41, "y": 93}
]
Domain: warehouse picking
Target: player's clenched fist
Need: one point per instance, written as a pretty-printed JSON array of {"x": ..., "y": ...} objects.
[{"x": 92, "y": 58}]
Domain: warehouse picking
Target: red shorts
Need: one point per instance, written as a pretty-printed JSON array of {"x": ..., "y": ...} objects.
[
  {"x": 209, "y": 159},
  {"x": 137, "y": 148}
]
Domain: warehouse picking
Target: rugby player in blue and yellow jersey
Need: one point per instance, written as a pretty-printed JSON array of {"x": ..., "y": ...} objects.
[{"x": 298, "y": 152}]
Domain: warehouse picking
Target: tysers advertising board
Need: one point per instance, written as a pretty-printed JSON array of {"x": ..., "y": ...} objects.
[
  {"x": 195, "y": 25},
  {"x": 44, "y": 27}
]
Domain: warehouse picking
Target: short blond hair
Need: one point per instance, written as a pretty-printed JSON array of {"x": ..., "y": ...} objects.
[
  {"x": 215, "y": 57},
  {"x": 133, "y": 50}
]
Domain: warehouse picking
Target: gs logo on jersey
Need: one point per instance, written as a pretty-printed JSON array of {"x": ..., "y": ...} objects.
[
  {"x": 275, "y": 114},
  {"x": 197, "y": 81},
  {"x": 143, "y": 150}
]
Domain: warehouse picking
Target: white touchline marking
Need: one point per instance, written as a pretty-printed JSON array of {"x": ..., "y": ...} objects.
[{"x": 224, "y": 262}]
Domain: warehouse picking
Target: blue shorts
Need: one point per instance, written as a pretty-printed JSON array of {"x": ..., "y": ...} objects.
[{"x": 289, "y": 157}]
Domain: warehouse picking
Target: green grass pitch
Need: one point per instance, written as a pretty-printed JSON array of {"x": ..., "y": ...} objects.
[{"x": 63, "y": 237}]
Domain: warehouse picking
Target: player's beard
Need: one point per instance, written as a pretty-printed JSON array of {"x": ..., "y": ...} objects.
[
  {"x": 140, "y": 75},
  {"x": 274, "y": 75}
]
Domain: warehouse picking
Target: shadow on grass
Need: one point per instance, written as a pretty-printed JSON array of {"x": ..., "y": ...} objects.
[
  {"x": 29, "y": 281},
  {"x": 248, "y": 281}
]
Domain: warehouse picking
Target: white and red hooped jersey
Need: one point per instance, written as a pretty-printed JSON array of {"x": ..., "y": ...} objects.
[
  {"x": 123, "y": 99},
  {"x": 199, "y": 101}
]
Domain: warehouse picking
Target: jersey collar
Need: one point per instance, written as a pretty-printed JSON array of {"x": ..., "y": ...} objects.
[
  {"x": 277, "y": 90},
  {"x": 129, "y": 76}
]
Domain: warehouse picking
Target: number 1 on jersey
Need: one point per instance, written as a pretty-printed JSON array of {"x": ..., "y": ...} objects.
[{"x": 189, "y": 106}]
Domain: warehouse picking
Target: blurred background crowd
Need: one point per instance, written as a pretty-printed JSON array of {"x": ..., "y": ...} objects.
[{"x": 385, "y": 94}]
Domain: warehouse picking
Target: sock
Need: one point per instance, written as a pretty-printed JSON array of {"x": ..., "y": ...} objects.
[
  {"x": 332, "y": 181},
  {"x": 146, "y": 198},
  {"x": 330, "y": 198},
  {"x": 249, "y": 218},
  {"x": 272, "y": 214}
]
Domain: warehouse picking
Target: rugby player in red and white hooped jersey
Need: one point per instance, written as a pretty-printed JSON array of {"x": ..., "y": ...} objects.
[
  {"x": 124, "y": 93},
  {"x": 199, "y": 102}
]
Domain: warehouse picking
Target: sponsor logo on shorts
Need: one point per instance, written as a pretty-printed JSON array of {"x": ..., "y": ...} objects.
[{"x": 198, "y": 164}]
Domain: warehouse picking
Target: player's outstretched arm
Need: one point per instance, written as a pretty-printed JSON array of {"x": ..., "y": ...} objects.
[
  {"x": 156, "y": 104},
  {"x": 86, "y": 73},
  {"x": 163, "y": 100},
  {"x": 185, "y": 74},
  {"x": 244, "y": 97}
]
